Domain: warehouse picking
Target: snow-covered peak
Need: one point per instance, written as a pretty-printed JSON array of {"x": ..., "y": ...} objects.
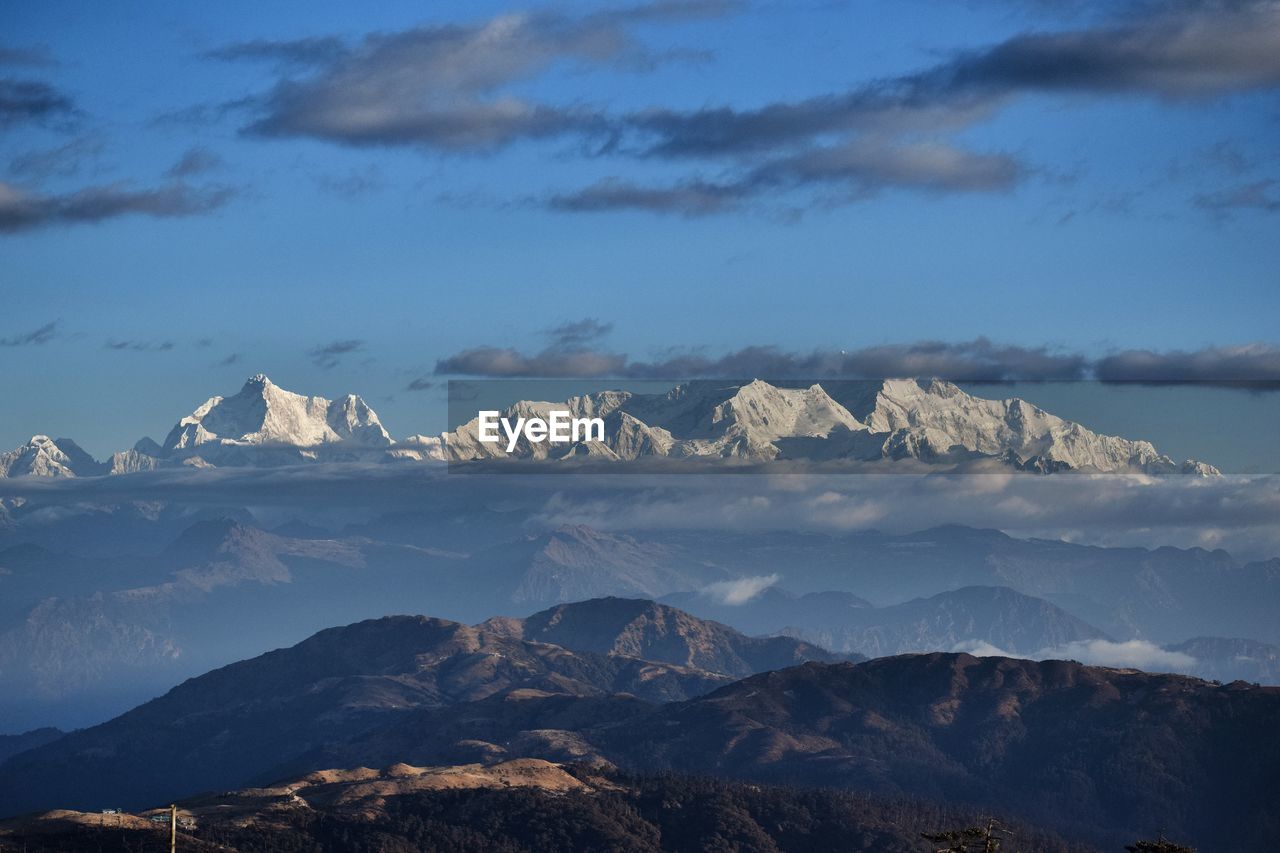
[
  {"x": 43, "y": 456},
  {"x": 352, "y": 419},
  {"x": 768, "y": 413},
  {"x": 1012, "y": 428},
  {"x": 264, "y": 414}
]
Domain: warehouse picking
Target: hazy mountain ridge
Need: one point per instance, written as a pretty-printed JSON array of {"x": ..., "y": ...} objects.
[
  {"x": 100, "y": 634},
  {"x": 63, "y": 637},
  {"x": 1232, "y": 658},
  {"x": 894, "y": 419},
  {"x": 576, "y": 562},
  {"x": 999, "y": 616}
]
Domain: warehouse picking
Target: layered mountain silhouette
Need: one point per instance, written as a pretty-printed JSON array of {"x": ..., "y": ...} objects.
[
  {"x": 1100, "y": 755},
  {"x": 342, "y": 683},
  {"x": 929, "y": 422},
  {"x": 574, "y": 562},
  {"x": 83, "y": 637}
]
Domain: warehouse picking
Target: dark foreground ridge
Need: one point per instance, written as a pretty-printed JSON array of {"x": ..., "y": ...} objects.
[{"x": 524, "y": 805}]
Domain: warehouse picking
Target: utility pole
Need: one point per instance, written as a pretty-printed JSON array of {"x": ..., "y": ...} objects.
[{"x": 173, "y": 827}]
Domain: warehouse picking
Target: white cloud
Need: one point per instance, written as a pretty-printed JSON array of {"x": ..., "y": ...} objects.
[
  {"x": 1130, "y": 654},
  {"x": 1135, "y": 654},
  {"x": 983, "y": 649},
  {"x": 739, "y": 591},
  {"x": 1233, "y": 512},
  {"x": 1237, "y": 513}
]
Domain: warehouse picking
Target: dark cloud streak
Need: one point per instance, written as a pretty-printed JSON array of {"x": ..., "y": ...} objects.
[
  {"x": 196, "y": 161},
  {"x": 63, "y": 160},
  {"x": 980, "y": 360},
  {"x": 975, "y": 360},
  {"x": 31, "y": 56},
  {"x": 330, "y": 355},
  {"x": 23, "y": 101},
  {"x": 1248, "y": 366},
  {"x": 689, "y": 198},
  {"x": 579, "y": 332},
  {"x": 22, "y": 211},
  {"x": 35, "y": 337},
  {"x": 441, "y": 87},
  {"x": 550, "y": 363},
  {"x": 308, "y": 51},
  {"x": 1257, "y": 195},
  {"x": 1182, "y": 51},
  {"x": 887, "y": 133},
  {"x": 859, "y": 169},
  {"x": 139, "y": 346},
  {"x": 1192, "y": 50}
]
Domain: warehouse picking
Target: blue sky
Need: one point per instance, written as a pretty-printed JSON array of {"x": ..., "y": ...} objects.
[{"x": 345, "y": 197}]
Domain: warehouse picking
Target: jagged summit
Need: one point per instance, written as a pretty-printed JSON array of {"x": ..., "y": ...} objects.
[
  {"x": 263, "y": 413},
  {"x": 43, "y": 456},
  {"x": 265, "y": 424},
  {"x": 646, "y": 629}
]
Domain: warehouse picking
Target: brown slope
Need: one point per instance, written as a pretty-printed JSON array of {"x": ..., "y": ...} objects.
[
  {"x": 645, "y": 629},
  {"x": 1098, "y": 753},
  {"x": 227, "y": 727}
]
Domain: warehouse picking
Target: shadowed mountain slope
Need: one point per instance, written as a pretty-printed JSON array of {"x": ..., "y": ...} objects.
[
  {"x": 646, "y": 629},
  {"x": 1096, "y": 753},
  {"x": 229, "y": 727}
]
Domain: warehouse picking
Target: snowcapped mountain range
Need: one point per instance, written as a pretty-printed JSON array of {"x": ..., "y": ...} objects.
[{"x": 930, "y": 421}]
